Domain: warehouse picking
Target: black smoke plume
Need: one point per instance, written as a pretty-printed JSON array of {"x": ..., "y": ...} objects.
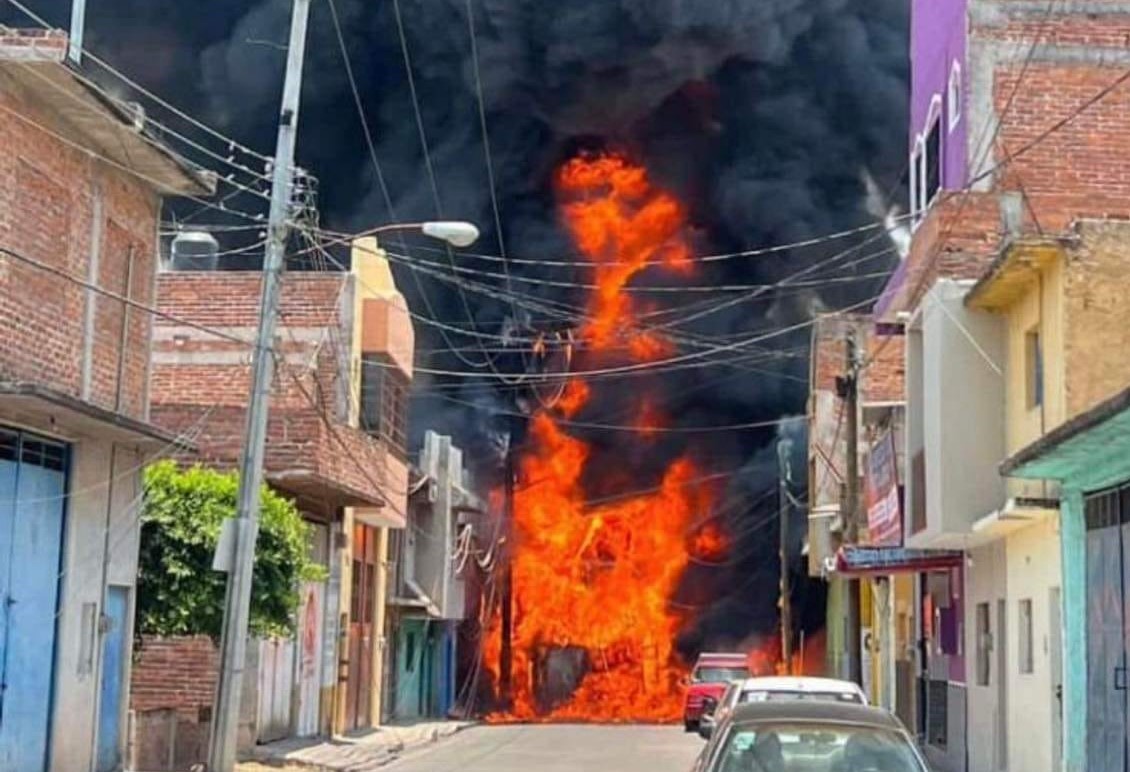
[{"x": 766, "y": 118}]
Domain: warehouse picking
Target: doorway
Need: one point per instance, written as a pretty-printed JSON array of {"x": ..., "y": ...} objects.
[
  {"x": 115, "y": 650},
  {"x": 1055, "y": 654},
  {"x": 32, "y": 499},
  {"x": 362, "y": 599},
  {"x": 1108, "y": 529}
]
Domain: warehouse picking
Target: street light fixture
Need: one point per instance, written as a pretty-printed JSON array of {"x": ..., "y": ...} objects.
[
  {"x": 454, "y": 232},
  {"x": 457, "y": 234}
]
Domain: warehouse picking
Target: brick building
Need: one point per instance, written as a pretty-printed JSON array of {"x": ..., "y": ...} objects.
[
  {"x": 336, "y": 444},
  {"x": 887, "y": 613},
  {"x": 81, "y": 182}
]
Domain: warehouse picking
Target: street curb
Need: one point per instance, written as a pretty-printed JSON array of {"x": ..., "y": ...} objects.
[{"x": 380, "y": 756}]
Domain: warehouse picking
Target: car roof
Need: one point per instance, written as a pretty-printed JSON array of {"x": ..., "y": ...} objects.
[
  {"x": 832, "y": 712},
  {"x": 800, "y": 684},
  {"x": 720, "y": 658}
]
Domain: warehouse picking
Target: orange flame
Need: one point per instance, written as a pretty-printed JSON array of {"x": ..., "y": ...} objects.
[
  {"x": 709, "y": 543},
  {"x": 622, "y": 223},
  {"x": 593, "y": 580},
  {"x": 574, "y": 397}
]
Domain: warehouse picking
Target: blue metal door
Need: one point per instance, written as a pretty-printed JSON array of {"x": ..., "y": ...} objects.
[
  {"x": 32, "y": 490},
  {"x": 1108, "y": 574},
  {"x": 110, "y": 691}
]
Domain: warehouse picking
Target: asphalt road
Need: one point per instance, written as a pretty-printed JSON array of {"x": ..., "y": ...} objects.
[{"x": 536, "y": 748}]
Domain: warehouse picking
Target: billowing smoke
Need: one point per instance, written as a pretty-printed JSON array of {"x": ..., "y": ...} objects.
[{"x": 772, "y": 120}]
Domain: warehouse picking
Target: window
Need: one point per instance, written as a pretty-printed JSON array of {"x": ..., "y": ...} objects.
[
  {"x": 932, "y": 161},
  {"x": 1034, "y": 369},
  {"x": 953, "y": 97},
  {"x": 984, "y": 644},
  {"x": 384, "y": 401},
  {"x": 1024, "y": 636},
  {"x": 779, "y": 745}
]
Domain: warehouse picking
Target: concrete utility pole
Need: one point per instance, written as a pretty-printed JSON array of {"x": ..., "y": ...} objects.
[
  {"x": 784, "y": 448},
  {"x": 848, "y": 387},
  {"x": 237, "y": 606}
]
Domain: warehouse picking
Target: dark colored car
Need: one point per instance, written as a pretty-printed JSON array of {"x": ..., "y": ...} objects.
[{"x": 802, "y": 736}]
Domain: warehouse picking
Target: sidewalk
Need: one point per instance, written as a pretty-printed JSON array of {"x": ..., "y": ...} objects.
[{"x": 356, "y": 752}]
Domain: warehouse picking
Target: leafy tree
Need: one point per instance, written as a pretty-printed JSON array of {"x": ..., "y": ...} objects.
[{"x": 178, "y": 593}]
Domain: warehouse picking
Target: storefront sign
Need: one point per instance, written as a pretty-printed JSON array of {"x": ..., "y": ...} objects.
[
  {"x": 893, "y": 560},
  {"x": 884, "y": 500}
]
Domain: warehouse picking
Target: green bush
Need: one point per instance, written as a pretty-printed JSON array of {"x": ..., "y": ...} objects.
[{"x": 178, "y": 593}]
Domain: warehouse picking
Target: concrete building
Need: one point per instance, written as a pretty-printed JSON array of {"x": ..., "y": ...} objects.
[
  {"x": 81, "y": 183},
  {"x": 1011, "y": 136},
  {"x": 887, "y": 593},
  {"x": 428, "y": 597},
  {"x": 336, "y": 445},
  {"x": 1060, "y": 302}
]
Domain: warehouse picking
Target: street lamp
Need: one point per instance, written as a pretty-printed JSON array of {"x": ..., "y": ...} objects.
[
  {"x": 457, "y": 234},
  {"x": 454, "y": 232}
]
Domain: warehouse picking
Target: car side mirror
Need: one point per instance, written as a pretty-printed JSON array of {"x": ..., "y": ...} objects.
[{"x": 709, "y": 705}]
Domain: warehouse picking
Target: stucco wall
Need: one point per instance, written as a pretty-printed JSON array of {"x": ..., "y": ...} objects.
[
  {"x": 78, "y": 648},
  {"x": 1033, "y": 569},
  {"x": 1096, "y": 285},
  {"x": 986, "y": 582},
  {"x": 1039, "y": 308},
  {"x": 962, "y": 398},
  {"x": 938, "y": 39}
]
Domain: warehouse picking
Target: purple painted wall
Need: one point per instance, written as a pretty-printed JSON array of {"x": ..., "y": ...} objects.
[{"x": 937, "y": 40}]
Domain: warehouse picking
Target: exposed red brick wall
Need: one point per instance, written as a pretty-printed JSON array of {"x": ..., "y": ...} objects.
[
  {"x": 177, "y": 672},
  {"x": 1079, "y": 171},
  {"x": 47, "y": 193},
  {"x": 884, "y": 380},
  {"x": 201, "y": 383}
]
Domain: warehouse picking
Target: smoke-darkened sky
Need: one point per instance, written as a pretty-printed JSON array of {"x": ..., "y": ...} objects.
[{"x": 765, "y": 118}]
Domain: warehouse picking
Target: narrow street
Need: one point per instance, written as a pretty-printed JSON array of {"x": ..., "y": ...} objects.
[{"x": 558, "y": 748}]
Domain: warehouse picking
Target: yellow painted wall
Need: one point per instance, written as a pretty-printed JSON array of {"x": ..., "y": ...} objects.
[
  {"x": 1033, "y": 560},
  {"x": 1097, "y": 284},
  {"x": 1041, "y": 308}
]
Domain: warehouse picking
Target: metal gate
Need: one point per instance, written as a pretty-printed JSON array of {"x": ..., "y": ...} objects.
[
  {"x": 32, "y": 499},
  {"x": 1108, "y": 538}
]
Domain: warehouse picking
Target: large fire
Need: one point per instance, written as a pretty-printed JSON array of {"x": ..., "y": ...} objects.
[{"x": 594, "y": 625}]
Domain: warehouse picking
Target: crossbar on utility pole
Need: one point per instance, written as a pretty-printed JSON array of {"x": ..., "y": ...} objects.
[
  {"x": 850, "y": 395},
  {"x": 237, "y": 605}
]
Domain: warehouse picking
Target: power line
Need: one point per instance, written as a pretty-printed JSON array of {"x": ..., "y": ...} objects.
[
  {"x": 383, "y": 185},
  {"x": 233, "y": 144}
]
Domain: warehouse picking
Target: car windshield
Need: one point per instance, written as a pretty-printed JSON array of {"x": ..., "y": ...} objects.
[
  {"x": 786, "y": 696},
  {"x": 716, "y": 675},
  {"x": 814, "y": 747}
]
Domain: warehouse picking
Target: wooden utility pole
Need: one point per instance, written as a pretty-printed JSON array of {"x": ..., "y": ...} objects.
[
  {"x": 506, "y": 657},
  {"x": 784, "y": 448},
  {"x": 849, "y": 392}
]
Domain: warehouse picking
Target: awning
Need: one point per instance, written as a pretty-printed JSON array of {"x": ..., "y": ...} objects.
[
  {"x": 39, "y": 407},
  {"x": 880, "y": 561}
]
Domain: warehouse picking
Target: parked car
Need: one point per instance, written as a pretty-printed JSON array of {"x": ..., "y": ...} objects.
[
  {"x": 804, "y": 735},
  {"x": 709, "y": 678},
  {"x": 777, "y": 689}
]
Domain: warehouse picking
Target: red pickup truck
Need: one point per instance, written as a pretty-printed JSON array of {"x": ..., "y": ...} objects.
[{"x": 712, "y": 673}]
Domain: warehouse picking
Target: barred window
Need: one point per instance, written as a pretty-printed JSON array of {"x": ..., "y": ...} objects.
[{"x": 384, "y": 401}]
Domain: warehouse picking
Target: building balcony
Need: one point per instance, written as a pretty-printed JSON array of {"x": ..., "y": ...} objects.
[
  {"x": 955, "y": 433},
  {"x": 324, "y": 465}
]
